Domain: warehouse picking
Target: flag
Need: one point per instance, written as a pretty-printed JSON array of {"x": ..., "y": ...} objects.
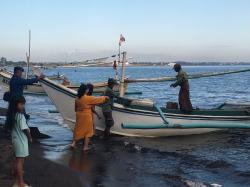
[{"x": 122, "y": 39}]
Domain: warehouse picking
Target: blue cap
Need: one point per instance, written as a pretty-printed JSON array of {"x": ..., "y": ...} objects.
[{"x": 18, "y": 68}]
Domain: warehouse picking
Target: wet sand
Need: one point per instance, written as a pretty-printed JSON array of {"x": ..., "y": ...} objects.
[
  {"x": 122, "y": 161},
  {"x": 39, "y": 172}
]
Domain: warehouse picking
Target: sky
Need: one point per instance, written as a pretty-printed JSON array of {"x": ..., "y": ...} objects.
[{"x": 155, "y": 30}]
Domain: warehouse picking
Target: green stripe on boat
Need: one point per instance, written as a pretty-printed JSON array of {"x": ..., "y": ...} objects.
[{"x": 184, "y": 126}]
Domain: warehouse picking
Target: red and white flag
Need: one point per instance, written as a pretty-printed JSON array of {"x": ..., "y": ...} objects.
[{"x": 122, "y": 39}]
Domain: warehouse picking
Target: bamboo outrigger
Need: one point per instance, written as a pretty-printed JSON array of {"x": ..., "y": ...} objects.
[{"x": 192, "y": 76}]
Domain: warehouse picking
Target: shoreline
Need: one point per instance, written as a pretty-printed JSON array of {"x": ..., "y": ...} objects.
[
  {"x": 48, "y": 65},
  {"x": 38, "y": 171}
]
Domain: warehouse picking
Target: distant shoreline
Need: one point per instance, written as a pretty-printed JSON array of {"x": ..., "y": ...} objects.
[
  {"x": 136, "y": 64},
  {"x": 132, "y": 64}
]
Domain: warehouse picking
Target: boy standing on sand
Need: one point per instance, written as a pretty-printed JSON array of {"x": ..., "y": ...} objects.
[{"x": 108, "y": 106}]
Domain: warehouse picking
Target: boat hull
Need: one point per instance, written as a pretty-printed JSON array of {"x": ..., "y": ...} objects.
[
  {"x": 37, "y": 89},
  {"x": 63, "y": 98}
]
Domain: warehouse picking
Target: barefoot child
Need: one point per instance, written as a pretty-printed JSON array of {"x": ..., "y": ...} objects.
[{"x": 20, "y": 134}]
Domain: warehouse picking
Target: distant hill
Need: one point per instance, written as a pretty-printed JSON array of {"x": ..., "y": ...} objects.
[{"x": 5, "y": 62}]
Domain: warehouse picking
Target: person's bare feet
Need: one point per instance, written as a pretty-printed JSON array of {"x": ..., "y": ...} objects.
[
  {"x": 72, "y": 146},
  {"x": 86, "y": 149},
  {"x": 23, "y": 185}
]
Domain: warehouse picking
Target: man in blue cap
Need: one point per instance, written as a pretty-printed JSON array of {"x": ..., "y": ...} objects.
[{"x": 17, "y": 83}]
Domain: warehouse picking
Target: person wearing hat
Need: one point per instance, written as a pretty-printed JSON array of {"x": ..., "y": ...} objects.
[
  {"x": 182, "y": 81},
  {"x": 17, "y": 83},
  {"x": 108, "y": 106}
]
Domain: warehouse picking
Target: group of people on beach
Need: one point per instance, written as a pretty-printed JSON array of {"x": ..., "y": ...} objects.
[
  {"x": 85, "y": 107},
  {"x": 16, "y": 121}
]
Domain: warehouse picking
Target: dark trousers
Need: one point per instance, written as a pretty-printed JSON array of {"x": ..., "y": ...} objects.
[
  {"x": 184, "y": 98},
  {"x": 109, "y": 122}
]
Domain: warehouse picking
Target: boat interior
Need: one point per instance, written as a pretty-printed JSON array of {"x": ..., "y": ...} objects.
[{"x": 223, "y": 110}]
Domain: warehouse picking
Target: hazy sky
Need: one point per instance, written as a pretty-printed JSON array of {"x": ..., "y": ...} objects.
[{"x": 169, "y": 30}]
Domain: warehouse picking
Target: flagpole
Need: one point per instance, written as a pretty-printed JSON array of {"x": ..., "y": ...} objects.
[
  {"x": 119, "y": 60},
  {"x": 122, "y": 83},
  {"x": 28, "y": 57},
  {"x": 119, "y": 52}
]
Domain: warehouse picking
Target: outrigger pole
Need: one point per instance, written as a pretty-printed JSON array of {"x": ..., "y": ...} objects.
[
  {"x": 28, "y": 57},
  {"x": 192, "y": 76}
]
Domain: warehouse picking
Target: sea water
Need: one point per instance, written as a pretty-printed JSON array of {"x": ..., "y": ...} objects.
[{"x": 214, "y": 159}]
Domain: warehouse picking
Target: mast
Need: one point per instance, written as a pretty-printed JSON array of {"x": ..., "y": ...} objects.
[
  {"x": 119, "y": 52},
  {"x": 119, "y": 60},
  {"x": 28, "y": 56},
  {"x": 122, "y": 83}
]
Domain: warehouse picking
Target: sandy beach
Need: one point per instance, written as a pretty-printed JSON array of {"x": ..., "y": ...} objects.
[{"x": 39, "y": 172}]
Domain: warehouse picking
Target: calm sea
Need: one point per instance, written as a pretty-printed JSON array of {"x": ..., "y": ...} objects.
[{"x": 219, "y": 158}]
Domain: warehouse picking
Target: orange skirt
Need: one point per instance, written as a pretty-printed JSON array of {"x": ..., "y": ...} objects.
[{"x": 84, "y": 125}]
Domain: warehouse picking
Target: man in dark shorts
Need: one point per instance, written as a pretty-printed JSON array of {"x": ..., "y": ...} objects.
[{"x": 108, "y": 106}]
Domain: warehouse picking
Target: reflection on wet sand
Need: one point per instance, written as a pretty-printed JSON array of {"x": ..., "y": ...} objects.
[
  {"x": 161, "y": 162},
  {"x": 80, "y": 162},
  {"x": 91, "y": 165}
]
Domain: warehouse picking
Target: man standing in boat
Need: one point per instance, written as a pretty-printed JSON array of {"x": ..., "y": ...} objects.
[
  {"x": 182, "y": 81},
  {"x": 108, "y": 106}
]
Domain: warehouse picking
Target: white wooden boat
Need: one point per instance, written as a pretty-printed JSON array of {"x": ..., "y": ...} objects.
[
  {"x": 140, "y": 119},
  {"x": 37, "y": 89},
  {"x": 98, "y": 87}
]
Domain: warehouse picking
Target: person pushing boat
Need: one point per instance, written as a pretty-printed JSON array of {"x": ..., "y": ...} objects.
[
  {"x": 84, "y": 104},
  {"x": 108, "y": 106},
  {"x": 182, "y": 81},
  {"x": 17, "y": 83}
]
